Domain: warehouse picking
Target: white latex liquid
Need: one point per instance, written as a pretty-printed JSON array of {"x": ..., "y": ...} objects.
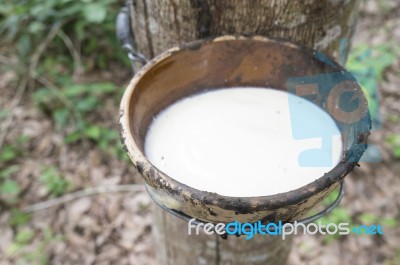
[{"x": 238, "y": 142}]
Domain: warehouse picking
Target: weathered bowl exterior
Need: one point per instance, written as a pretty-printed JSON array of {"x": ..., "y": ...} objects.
[{"x": 231, "y": 61}]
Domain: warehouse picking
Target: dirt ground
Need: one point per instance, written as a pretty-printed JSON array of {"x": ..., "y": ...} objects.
[{"x": 115, "y": 228}]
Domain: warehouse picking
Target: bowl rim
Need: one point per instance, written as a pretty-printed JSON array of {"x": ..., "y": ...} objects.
[{"x": 159, "y": 180}]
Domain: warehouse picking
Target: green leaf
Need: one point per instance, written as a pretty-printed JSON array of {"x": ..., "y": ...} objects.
[
  {"x": 393, "y": 118},
  {"x": 42, "y": 95},
  {"x": 396, "y": 151},
  {"x": 80, "y": 89},
  {"x": 36, "y": 27},
  {"x": 104, "y": 87},
  {"x": 389, "y": 222},
  {"x": 24, "y": 45},
  {"x": 24, "y": 236},
  {"x": 331, "y": 197},
  {"x": 6, "y": 9},
  {"x": 8, "y": 153},
  {"x": 61, "y": 117},
  {"x": 394, "y": 139},
  {"x": 338, "y": 215},
  {"x": 95, "y": 12},
  {"x": 93, "y": 132},
  {"x": 87, "y": 104},
  {"x": 80, "y": 30},
  {"x": 7, "y": 172},
  {"x": 23, "y": 139},
  {"x": 72, "y": 137},
  {"x": 11, "y": 25},
  {"x": 13, "y": 249},
  {"x": 367, "y": 219},
  {"x": 19, "y": 218},
  {"x": 386, "y": 59},
  {"x": 10, "y": 187},
  {"x": 74, "y": 90},
  {"x": 54, "y": 183},
  {"x": 70, "y": 11}
]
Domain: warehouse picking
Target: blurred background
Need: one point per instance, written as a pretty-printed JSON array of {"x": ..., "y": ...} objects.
[{"x": 62, "y": 75}]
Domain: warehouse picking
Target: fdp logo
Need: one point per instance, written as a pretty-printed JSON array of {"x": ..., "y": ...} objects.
[{"x": 338, "y": 93}]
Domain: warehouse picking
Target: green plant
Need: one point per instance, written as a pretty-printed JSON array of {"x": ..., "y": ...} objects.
[
  {"x": 72, "y": 107},
  {"x": 12, "y": 152},
  {"x": 341, "y": 215},
  {"x": 393, "y": 118},
  {"x": 24, "y": 236},
  {"x": 21, "y": 239},
  {"x": 11, "y": 188},
  {"x": 368, "y": 64},
  {"x": 54, "y": 183},
  {"x": 19, "y": 218},
  {"x": 21, "y": 251},
  {"x": 69, "y": 105},
  {"x": 9, "y": 154},
  {"x": 370, "y": 219},
  {"x": 394, "y": 141},
  {"x": 56, "y": 41},
  {"x": 76, "y": 25}
]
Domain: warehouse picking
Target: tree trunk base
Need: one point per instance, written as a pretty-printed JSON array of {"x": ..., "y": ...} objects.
[{"x": 175, "y": 247}]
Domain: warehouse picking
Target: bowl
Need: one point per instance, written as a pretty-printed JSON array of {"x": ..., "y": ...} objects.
[{"x": 232, "y": 61}]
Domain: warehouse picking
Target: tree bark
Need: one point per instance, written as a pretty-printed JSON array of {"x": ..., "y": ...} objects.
[
  {"x": 320, "y": 24},
  {"x": 163, "y": 24},
  {"x": 176, "y": 247}
]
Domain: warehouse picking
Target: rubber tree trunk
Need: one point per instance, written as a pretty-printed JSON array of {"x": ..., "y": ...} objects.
[
  {"x": 176, "y": 247},
  {"x": 320, "y": 24},
  {"x": 162, "y": 24}
]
